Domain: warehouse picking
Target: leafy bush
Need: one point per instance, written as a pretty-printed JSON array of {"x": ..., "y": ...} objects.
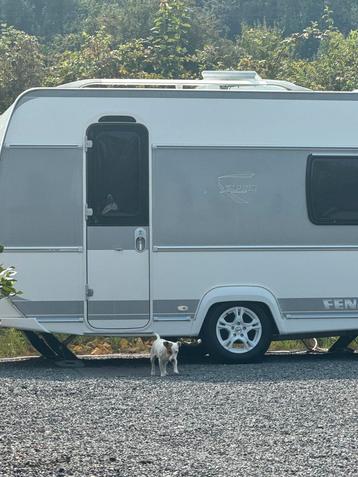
[
  {"x": 21, "y": 65},
  {"x": 7, "y": 280}
]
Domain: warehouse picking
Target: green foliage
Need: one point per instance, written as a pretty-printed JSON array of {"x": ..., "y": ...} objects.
[
  {"x": 264, "y": 50},
  {"x": 170, "y": 38},
  {"x": 13, "y": 343},
  {"x": 337, "y": 61},
  {"x": 21, "y": 63},
  {"x": 221, "y": 55},
  {"x": 43, "y": 18},
  {"x": 98, "y": 57},
  {"x": 134, "y": 60},
  {"x": 7, "y": 280},
  {"x": 304, "y": 41},
  {"x": 124, "y": 20},
  {"x": 94, "y": 59},
  {"x": 289, "y": 16}
]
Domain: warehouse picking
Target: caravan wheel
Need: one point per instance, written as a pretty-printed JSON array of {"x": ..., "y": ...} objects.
[{"x": 237, "y": 332}]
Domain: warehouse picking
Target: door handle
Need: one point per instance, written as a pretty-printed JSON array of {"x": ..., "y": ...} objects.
[{"x": 140, "y": 237}]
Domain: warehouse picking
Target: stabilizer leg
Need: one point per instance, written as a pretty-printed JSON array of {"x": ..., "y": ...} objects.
[
  {"x": 341, "y": 345},
  {"x": 40, "y": 345},
  {"x": 59, "y": 348},
  {"x": 51, "y": 348}
]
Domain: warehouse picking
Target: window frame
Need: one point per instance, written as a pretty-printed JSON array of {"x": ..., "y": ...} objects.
[
  {"x": 142, "y": 219},
  {"x": 117, "y": 119},
  {"x": 309, "y": 195}
]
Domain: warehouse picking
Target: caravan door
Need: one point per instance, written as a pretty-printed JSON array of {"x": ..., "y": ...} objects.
[{"x": 117, "y": 226}]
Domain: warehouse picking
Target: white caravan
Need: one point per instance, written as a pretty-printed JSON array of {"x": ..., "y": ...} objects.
[{"x": 225, "y": 208}]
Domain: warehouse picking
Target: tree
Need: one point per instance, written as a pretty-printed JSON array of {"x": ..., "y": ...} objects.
[
  {"x": 335, "y": 64},
  {"x": 337, "y": 61},
  {"x": 134, "y": 60},
  {"x": 289, "y": 16},
  {"x": 264, "y": 50},
  {"x": 94, "y": 59},
  {"x": 78, "y": 39},
  {"x": 170, "y": 38},
  {"x": 21, "y": 64},
  {"x": 124, "y": 20},
  {"x": 221, "y": 55},
  {"x": 43, "y": 18}
]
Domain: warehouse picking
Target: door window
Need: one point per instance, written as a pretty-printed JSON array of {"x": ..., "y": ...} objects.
[{"x": 117, "y": 175}]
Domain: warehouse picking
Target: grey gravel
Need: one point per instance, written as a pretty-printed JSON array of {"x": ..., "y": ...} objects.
[{"x": 294, "y": 415}]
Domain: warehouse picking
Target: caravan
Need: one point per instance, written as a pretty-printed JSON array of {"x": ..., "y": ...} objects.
[{"x": 225, "y": 208}]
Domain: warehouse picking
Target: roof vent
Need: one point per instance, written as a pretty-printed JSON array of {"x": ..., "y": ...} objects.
[{"x": 222, "y": 75}]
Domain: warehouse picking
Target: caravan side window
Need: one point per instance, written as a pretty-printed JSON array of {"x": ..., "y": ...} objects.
[{"x": 332, "y": 189}]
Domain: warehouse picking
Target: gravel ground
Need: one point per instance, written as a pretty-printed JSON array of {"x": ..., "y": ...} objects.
[{"x": 290, "y": 415}]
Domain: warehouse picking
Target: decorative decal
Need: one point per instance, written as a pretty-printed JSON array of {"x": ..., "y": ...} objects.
[
  {"x": 340, "y": 303},
  {"x": 237, "y": 187}
]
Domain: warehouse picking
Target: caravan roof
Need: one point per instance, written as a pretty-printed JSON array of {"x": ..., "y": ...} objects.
[{"x": 229, "y": 80}]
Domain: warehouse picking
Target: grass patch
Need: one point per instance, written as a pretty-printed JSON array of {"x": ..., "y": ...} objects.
[
  {"x": 13, "y": 343},
  {"x": 287, "y": 345}
]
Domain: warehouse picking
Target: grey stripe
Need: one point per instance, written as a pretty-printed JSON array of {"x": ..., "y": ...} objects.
[
  {"x": 41, "y": 146},
  {"x": 111, "y": 238},
  {"x": 173, "y": 318},
  {"x": 172, "y": 306},
  {"x": 321, "y": 315},
  {"x": 42, "y": 249},
  {"x": 193, "y": 94},
  {"x": 54, "y": 319},
  {"x": 35, "y": 308},
  {"x": 251, "y": 248},
  {"x": 113, "y": 326},
  {"x": 102, "y": 317},
  {"x": 127, "y": 307},
  {"x": 101, "y": 308},
  {"x": 324, "y": 149}
]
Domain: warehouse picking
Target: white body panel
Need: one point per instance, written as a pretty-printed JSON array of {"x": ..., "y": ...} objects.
[
  {"x": 252, "y": 123},
  {"x": 120, "y": 276},
  {"x": 133, "y": 285},
  {"x": 34, "y": 266}
]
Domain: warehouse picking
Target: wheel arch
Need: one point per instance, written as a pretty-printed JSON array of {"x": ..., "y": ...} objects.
[{"x": 254, "y": 294}]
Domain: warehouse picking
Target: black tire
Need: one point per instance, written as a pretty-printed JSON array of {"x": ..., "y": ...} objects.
[
  {"x": 261, "y": 340},
  {"x": 193, "y": 352}
]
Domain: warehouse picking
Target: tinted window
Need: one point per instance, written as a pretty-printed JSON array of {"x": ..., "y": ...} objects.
[
  {"x": 117, "y": 174},
  {"x": 332, "y": 190}
]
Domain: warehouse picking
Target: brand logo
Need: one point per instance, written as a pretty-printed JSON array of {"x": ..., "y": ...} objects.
[
  {"x": 237, "y": 187},
  {"x": 340, "y": 303}
]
